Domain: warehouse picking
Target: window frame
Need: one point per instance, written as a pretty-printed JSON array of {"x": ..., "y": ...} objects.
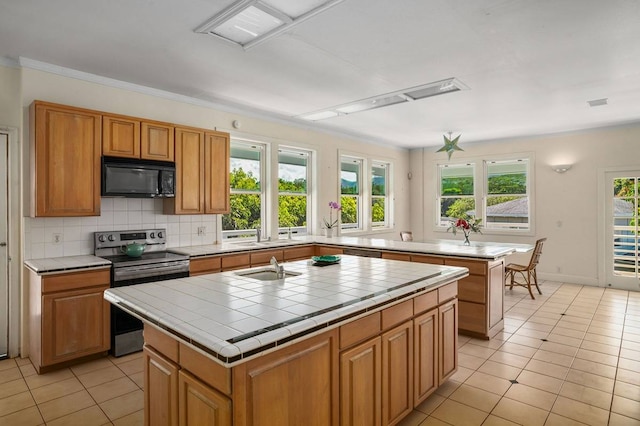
[
  {"x": 440, "y": 167},
  {"x": 375, "y": 226},
  {"x": 486, "y": 196},
  {"x": 359, "y": 225},
  {"x": 300, "y": 230}
]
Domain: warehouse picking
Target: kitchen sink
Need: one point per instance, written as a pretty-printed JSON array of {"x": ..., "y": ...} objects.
[
  {"x": 263, "y": 243},
  {"x": 266, "y": 274}
]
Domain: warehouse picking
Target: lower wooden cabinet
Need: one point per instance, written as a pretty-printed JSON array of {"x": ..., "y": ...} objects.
[
  {"x": 201, "y": 405},
  {"x": 426, "y": 355},
  {"x": 397, "y": 373},
  {"x": 361, "y": 384},
  {"x": 69, "y": 319},
  {"x": 448, "y": 347},
  {"x": 161, "y": 389}
]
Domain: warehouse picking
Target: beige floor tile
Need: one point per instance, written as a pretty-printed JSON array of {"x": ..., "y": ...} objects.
[
  {"x": 125, "y": 358},
  {"x": 16, "y": 402},
  {"x": 532, "y": 396},
  {"x": 634, "y": 346},
  {"x": 491, "y": 344},
  {"x": 627, "y": 376},
  {"x": 553, "y": 358},
  {"x": 520, "y": 413},
  {"x": 27, "y": 417},
  {"x": 497, "y": 421},
  {"x": 542, "y": 319},
  {"x": 90, "y": 366},
  {"x": 110, "y": 390},
  {"x": 531, "y": 333},
  {"x": 616, "y": 419},
  {"x": 629, "y": 364},
  {"x": 431, "y": 403},
  {"x": 27, "y": 370},
  {"x": 510, "y": 359},
  {"x": 87, "y": 417},
  {"x": 500, "y": 370},
  {"x": 605, "y": 331},
  {"x": 489, "y": 383},
  {"x": 565, "y": 340},
  {"x": 525, "y": 341},
  {"x": 598, "y": 357},
  {"x": 600, "y": 347},
  {"x": 627, "y": 390},
  {"x": 602, "y": 383},
  {"x": 516, "y": 349},
  {"x": 123, "y": 405},
  {"x": 7, "y": 364},
  {"x": 542, "y": 367},
  {"x": 540, "y": 381},
  {"x": 581, "y": 412},
  {"x": 10, "y": 374},
  {"x": 537, "y": 326},
  {"x": 459, "y": 414},
  {"x": 586, "y": 395},
  {"x": 133, "y": 419},
  {"x": 22, "y": 361},
  {"x": 39, "y": 380},
  {"x": 470, "y": 361},
  {"x": 598, "y": 338},
  {"x": 476, "y": 398},
  {"x": 100, "y": 376},
  {"x": 56, "y": 390},
  {"x": 561, "y": 331},
  {"x": 132, "y": 366},
  {"x": 626, "y": 407},
  {"x": 432, "y": 421},
  {"x": 559, "y": 348},
  {"x": 629, "y": 353},
  {"x": 594, "y": 367},
  {"x": 13, "y": 387},
  {"x": 556, "y": 420},
  {"x": 461, "y": 375},
  {"x": 138, "y": 379},
  {"x": 414, "y": 418},
  {"x": 477, "y": 351},
  {"x": 447, "y": 388},
  {"x": 68, "y": 404}
]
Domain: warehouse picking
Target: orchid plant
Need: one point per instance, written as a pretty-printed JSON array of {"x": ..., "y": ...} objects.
[
  {"x": 332, "y": 223},
  {"x": 466, "y": 226}
]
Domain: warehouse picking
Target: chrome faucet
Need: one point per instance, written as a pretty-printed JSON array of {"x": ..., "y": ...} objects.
[
  {"x": 278, "y": 267},
  {"x": 258, "y": 234}
]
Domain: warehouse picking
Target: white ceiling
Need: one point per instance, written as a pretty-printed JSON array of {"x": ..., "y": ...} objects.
[{"x": 531, "y": 66}]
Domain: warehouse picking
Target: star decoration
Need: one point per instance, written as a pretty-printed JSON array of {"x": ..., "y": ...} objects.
[{"x": 450, "y": 145}]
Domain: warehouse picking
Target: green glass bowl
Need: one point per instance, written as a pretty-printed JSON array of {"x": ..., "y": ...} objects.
[{"x": 330, "y": 258}]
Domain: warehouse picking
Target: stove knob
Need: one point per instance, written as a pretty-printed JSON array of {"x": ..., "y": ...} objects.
[
  {"x": 101, "y": 238},
  {"x": 111, "y": 238},
  {"x": 159, "y": 234},
  {"x": 152, "y": 235}
]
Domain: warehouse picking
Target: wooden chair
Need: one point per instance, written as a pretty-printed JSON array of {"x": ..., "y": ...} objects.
[
  {"x": 406, "y": 236},
  {"x": 528, "y": 272}
]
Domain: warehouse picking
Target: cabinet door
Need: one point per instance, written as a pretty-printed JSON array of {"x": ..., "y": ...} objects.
[
  {"x": 74, "y": 324},
  {"x": 360, "y": 384},
  {"x": 201, "y": 405},
  {"x": 120, "y": 136},
  {"x": 189, "y": 152},
  {"x": 397, "y": 373},
  {"x": 66, "y": 145},
  {"x": 160, "y": 389},
  {"x": 217, "y": 156},
  {"x": 156, "y": 141},
  {"x": 426, "y": 355},
  {"x": 448, "y": 359}
]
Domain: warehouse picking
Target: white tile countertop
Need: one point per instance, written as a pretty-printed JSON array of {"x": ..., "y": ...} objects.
[
  {"x": 67, "y": 263},
  {"x": 233, "y": 318}
]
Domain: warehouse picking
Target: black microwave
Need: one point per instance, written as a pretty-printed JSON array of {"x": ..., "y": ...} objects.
[{"x": 135, "y": 178}]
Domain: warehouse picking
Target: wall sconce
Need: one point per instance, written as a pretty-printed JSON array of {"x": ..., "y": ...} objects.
[{"x": 561, "y": 168}]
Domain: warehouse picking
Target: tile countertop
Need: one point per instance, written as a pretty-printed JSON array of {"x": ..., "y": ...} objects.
[
  {"x": 477, "y": 249},
  {"x": 233, "y": 318},
  {"x": 67, "y": 263}
]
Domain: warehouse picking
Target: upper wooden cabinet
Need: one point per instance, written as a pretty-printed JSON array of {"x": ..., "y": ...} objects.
[
  {"x": 131, "y": 137},
  {"x": 202, "y": 172},
  {"x": 65, "y": 160}
]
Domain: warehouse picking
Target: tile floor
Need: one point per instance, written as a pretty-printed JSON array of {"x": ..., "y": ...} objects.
[{"x": 570, "y": 357}]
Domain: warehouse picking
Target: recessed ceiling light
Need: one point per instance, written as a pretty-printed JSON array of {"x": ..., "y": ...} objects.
[
  {"x": 598, "y": 102},
  {"x": 401, "y": 96},
  {"x": 250, "y": 22}
]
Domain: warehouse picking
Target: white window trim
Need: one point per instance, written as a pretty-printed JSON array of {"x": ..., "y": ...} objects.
[
  {"x": 309, "y": 177},
  {"x": 388, "y": 197}
]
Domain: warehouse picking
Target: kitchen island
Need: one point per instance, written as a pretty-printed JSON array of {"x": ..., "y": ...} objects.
[{"x": 358, "y": 341}]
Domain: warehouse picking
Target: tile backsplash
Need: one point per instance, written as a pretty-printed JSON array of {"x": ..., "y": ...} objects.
[{"x": 55, "y": 237}]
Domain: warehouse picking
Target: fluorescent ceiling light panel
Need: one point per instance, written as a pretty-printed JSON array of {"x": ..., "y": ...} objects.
[
  {"x": 412, "y": 94},
  {"x": 250, "y": 22}
]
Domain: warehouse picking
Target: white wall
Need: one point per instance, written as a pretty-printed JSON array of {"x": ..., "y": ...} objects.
[
  {"x": 566, "y": 205},
  {"x": 182, "y": 230}
]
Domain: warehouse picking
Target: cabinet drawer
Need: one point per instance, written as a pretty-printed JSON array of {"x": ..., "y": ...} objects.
[
  {"x": 299, "y": 253},
  {"x": 264, "y": 256},
  {"x": 204, "y": 265},
  {"x": 427, "y": 259},
  {"x": 447, "y": 292},
  {"x": 396, "y": 256},
  {"x": 426, "y": 301},
  {"x": 161, "y": 342},
  {"x": 235, "y": 261},
  {"x": 76, "y": 280},
  {"x": 475, "y": 267},
  {"x": 359, "y": 330},
  {"x": 324, "y": 250},
  {"x": 472, "y": 289},
  {"x": 205, "y": 369},
  {"x": 397, "y": 314}
]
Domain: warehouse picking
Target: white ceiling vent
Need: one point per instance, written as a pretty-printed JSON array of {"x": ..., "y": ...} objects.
[
  {"x": 250, "y": 22},
  {"x": 436, "y": 88},
  {"x": 598, "y": 102}
]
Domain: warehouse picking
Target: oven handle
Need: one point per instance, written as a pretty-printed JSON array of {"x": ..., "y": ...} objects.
[{"x": 128, "y": 274}]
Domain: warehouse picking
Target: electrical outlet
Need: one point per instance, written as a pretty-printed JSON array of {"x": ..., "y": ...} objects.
[
  {"x": 202, "y": 231},
  {"x": 57, "y": 238}
]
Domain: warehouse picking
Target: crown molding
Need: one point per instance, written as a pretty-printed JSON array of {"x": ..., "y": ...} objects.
[{"x": 9, "y": 62}]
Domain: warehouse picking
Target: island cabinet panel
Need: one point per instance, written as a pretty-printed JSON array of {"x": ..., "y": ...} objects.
[
  {"x": 201, "y": 405},
  {"x": 448, "y": 344},
  {"x": 297, "y": 385},
  {"x": 297, "y": 253},
  {"x": 422, "y": 258},
  {"x": 263, "y": 257},
  {"x": 397, "y": 373},
  {"x": 205, "y": 265},
  {"x": 496, "y": 297},
  {"x": 157, "y": 141},
  {"x": 120, "y": 136},
  {"x": 361, "y": 384},
  {"x": 65, "y": 158},
  {"x": 396, "y": 256},
  {"x": 161, "y": 389},
  {"x": 328, "y": 250},
  {"x": 426, "y": 355}
]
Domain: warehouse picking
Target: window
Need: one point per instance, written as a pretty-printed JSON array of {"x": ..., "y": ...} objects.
[
  {"x": 247, "y": 191},
  {"x": 350, "y": 192},
  {"x": 293, "y": 191},
  {"x": 379, "y": 195},
  {"x": 507, "y": 194},
  {"x": 456, "y": 192}
]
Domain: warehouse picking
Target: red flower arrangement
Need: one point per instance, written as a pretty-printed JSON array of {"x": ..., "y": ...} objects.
[{"x": 466, "y": 226}]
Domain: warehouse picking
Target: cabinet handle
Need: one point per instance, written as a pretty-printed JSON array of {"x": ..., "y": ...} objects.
[{"x": 3, "y": 244}]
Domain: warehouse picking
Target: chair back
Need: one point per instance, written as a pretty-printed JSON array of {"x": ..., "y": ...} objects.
[
  {"x": 537, "y": 251},
  {"x": 406, "y": 236}
]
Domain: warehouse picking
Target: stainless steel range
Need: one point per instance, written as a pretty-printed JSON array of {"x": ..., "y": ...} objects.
[{"x": 155, "y": 264}]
